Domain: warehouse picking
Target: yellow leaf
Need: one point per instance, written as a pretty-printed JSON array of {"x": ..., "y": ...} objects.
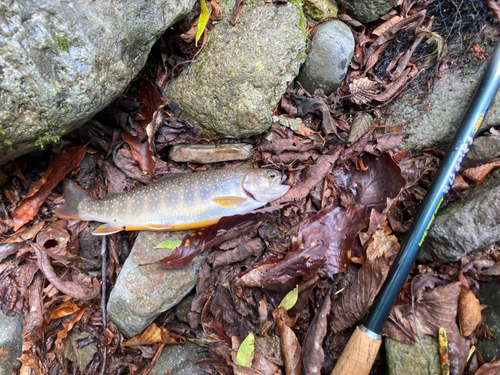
[
  {"x": 149, "y": 336},
  {"x": 246, "y": 351},
  {"x": 290, "y": 299},
  {"x": 203, "y": 20}
]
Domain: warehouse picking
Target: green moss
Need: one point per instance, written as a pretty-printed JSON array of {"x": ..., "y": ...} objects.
[
  {"x": 7, "y": 144},
  {"x": 302, "y": 25},
  {"x": 2, "y": 132},
  {"x": 63, "y": 43},
  {"x": 52, "y": 134},
  {"x": 303, "y": 55}
]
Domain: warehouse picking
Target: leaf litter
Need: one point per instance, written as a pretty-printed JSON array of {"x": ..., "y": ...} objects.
[{"x": 297, "y": 276}]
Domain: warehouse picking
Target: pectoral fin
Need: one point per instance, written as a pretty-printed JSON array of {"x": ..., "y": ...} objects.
[
  {"x": 230, "y": 202},
  {"x": 106, "y": 229}
]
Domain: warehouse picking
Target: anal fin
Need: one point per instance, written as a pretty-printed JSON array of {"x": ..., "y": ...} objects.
[
  {"x": 106, "y": 229},
  {"x": 230, "y": 202}
]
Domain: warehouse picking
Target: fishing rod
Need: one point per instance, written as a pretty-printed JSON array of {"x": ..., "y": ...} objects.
[{"x": 360, "y": 352}]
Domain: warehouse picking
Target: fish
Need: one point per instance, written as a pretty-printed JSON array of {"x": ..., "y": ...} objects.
[{"x": 184, "y": 201}]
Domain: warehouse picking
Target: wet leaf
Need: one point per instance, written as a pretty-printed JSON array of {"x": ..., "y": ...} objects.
[
  {"x": 168, "y": 244},
  {"x": 360, "y": 125},
  {"x": 246, "y": 351},
  {"x": 65, "y": 162},
  {"x": 292, "y": 353},
  {"x": 290, "y": 299},
  {"x": 63, "y": 333},
  {"x": 65, "y": 309},
  {"x": 307, "y": 105},
  {"x": 363, "y": 90},
  {"x": 141, "y": 153},
  {"x": 166, "y": 131},
  {"x": 152, "y": 102},
  {"x": 356, "y": 299},
  {"x": 387, "y": 25},
  {"x": 469, "y": 312},
  {"x": 314, "y": 355},
  {"x": 54, "y": 240},
  {"x": 203, "y": 20}
]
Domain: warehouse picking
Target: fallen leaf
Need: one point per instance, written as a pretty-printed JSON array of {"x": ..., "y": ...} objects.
[
  {"x": 292, "y": 353},
  {"x": 290, "y": 299},
  {"x": 314, "y": 355},
  {"x": 141, "y": 153},
  {"x": 246, "y": 351},
  {"x": 492, "y": 368},
  {"x": 363, "y": 90},
  {"x": 150, "y": 335},
  {"x": 476, "y": 175},
  {"x": 64, "y": 309},
  {"x": 469, "y": 312},
  {"x": 387, "y": 25},
  {"x": 478, "y": 52},
  {"x": 65, "y": 162},
  {"x": 168, "y": 244},
  {"x": 360, "y": 125},
  {"x": 202, "y": 21}
]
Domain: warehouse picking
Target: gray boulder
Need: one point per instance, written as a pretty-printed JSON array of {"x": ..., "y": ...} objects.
[
  {"x": 62, "y": 62},
  {"x": 403, "y": 359},
  {"x": 141, "y": 293},
  {"x": 320, "y": 9},
  {"x": 465, "y": 225},
  {"x": 233, "y": 86},
  {"x": 330, "y": 54},
  {"x": 450, "y": 99},
  {"x": 370, "y": 10},
  {"x": 180, "y": 360},
  {"x": 11, "y": 341}
]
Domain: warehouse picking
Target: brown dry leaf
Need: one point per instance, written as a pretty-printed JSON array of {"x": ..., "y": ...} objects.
[
  {"x": 54, "y": 239},
  {"x": 65, "y": 162},
  {"x": 25, "y": 234},
  {"x": 141, "y": 153},
  {"x": 469, "y": 312},
  {"x": 357, "y": 298},
  {"x": 363, "y": 90},
  {"x": 387, "y": 25},
  {"x": 478, "y": 52},
  {"x": 65, "y": 309},
  {"x": 292, "y": 353},
  {"x": 477, "y": 174},
  {"x": 314, "y": 355},
  {"x": 383, "y": 244},
  {"x": 393, "y": 88},
  {"x": 495, "y": 7},
  {"x": 441, "y": 48},
  {"x": 492, "y": 368},
  {"x": 63, "y": 333},
  {"x": 360, "y": 125},
  {"x": 150, "y": 335}
]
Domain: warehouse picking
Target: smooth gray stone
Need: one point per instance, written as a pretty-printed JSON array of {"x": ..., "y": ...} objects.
[
  {"x": 11, "y": 342},
  {"x": 180, "y": 360},
  {"x": 403, "y": 359},
  {"x": 141, "y": 293},
  {"x": 465, "y": 225},
  {"x": 61, "y": 62},
  {"x": 489, "y": 294},
  {"x": 243, "y": 70},
  {"x": 450, "y": 98},
  {"x": 330, "y": 54},
  {"x": 370, "y": 10}
]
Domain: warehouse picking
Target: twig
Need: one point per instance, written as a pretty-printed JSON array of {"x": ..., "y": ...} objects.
[{"x": 103, "y": 302}]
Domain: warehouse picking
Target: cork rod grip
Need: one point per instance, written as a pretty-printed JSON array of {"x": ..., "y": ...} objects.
[{"x": 358, "y": 355}]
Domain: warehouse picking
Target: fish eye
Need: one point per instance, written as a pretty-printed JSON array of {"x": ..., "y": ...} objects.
[{"x": 272, "y": 174}]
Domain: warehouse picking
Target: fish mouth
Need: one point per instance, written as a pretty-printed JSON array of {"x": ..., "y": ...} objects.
[{"x": 250, "y": 195}]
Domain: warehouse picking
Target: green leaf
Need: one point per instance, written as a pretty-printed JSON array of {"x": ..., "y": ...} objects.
[
  {"x": 168, "y": 244},
  {"x": 290, "y": 299},
  {"x": 202, "y": 21},
  {"x": 246, "y": 351}
]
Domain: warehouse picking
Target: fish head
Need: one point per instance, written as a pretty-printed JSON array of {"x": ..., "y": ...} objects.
[{"x": 264, "y": 185}]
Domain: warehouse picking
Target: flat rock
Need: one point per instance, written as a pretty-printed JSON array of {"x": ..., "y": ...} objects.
[
  {"x": 204, "y": 154},
  {"x": 62, "y": 62},
  {"x": 450, "y": 98},
  {"x": 179, "y": 360},
  {"x": 403, "y": 359},
  {"x": 465, "y": 225},
  {"x": 11, "y": 340},
  {"x": 489, "y": 294},
  {"x": 243, "y": 70},
  {"x": 369, "y": 10},
  {"x": 332, "y": 47},
  {"x": 141, "y": 293}
]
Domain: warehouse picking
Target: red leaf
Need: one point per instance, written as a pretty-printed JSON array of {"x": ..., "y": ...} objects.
[
  {"x": 140, "y": 152},
  {"x": 65, "y": 162}
]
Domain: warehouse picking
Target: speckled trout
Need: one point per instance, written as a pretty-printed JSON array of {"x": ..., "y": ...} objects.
[{"x": 185, "y": 201}]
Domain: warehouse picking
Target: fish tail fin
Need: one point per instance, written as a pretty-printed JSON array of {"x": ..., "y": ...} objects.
[{"x": 74, "y": 195}]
